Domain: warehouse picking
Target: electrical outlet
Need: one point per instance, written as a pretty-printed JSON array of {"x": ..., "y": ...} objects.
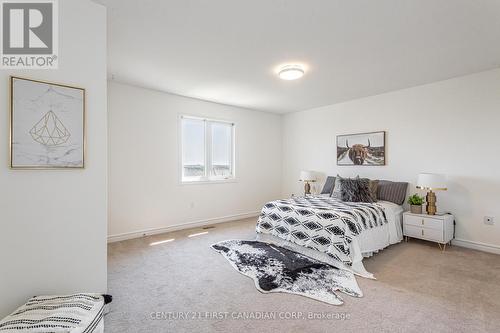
[{"x": 490, "y": 220}]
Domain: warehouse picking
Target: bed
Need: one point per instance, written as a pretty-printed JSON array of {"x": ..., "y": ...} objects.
[{"x": 330, "y": 230}]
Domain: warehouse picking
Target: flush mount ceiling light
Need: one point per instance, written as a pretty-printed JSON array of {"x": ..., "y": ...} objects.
[{"x": 291, "y": 72}]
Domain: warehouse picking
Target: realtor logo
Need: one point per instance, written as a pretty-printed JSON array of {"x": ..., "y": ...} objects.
[{"x": 29, "y": 34}]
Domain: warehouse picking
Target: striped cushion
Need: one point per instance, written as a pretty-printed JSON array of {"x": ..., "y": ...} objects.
[
  {"x": 80, "y": 313},
  {"x": 392, "y": 191}
]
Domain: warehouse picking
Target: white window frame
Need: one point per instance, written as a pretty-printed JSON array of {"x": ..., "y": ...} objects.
[{"x": 207, "y": 178}]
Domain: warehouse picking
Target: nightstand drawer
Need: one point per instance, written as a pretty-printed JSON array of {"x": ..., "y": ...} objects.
[
  {"x": 424, "y": 233},
  {"x": 424, "y": 222}
]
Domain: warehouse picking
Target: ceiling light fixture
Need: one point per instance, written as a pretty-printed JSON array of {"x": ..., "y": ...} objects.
[{"x": 291, "y": 72}]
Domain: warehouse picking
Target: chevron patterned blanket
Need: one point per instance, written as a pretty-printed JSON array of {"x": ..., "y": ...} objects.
[{"x": 320, "y": 223}]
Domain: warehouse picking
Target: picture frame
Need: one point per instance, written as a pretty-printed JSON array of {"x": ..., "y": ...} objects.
[
  {"x": 361, "y": 149},
  {"x": 47, "y": 125}
]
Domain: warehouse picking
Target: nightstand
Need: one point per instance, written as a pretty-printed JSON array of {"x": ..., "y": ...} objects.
[{"x": 433, "y": 228}]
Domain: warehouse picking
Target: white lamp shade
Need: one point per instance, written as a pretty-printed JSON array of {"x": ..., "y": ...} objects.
[
  {"x": 307, "y": 176},
  {"x": 431, "y": 181}
]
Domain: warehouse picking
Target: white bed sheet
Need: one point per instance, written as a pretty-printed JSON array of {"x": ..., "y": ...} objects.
[
  {"x": 372, "y": 240},
  {"x": 375, "y": 239}
]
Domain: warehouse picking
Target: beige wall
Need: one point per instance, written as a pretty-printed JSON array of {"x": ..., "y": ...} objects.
[
  {"x": 53, "y": 223},
  {"x": 449, "y": 127},
  {"x": 145, "y": 192}
]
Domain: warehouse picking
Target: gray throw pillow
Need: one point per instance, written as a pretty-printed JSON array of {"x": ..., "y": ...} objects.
[
  {"x": 392, "y": 191},
  {"x": 373, "y": 186},
  {"x": 355, "y": 190},
  {"x": 336, "y": 188},
  {"x": 329, "y": 184},
  {"x": 336, "y": 193}
]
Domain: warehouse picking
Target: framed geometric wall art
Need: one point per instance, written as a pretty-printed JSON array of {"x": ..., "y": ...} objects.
[
  {"x": 47, "y": 125},
  {"x": 361, "y": 149}
]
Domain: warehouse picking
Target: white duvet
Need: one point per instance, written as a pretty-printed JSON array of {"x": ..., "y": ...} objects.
[
  {"x": 364, "y": 245},
  {"x": 375, "y": 239}
]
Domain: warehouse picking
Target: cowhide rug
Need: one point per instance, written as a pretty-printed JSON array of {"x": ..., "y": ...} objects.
[{"x": 275, "y": 269}]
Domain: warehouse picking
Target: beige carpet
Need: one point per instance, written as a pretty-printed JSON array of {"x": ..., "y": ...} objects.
[{"x": 419, "y": 289}]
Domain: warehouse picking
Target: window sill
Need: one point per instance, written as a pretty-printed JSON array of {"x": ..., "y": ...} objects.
[{"x": 206, "y": 181}]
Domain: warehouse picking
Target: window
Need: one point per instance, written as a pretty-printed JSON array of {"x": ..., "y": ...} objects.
[{"x": 207, "y": 149}]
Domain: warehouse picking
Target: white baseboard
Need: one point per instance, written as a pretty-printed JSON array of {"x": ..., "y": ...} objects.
[
  {"x": 176, "y": 227},
  {"x": 477, "y": 246}
]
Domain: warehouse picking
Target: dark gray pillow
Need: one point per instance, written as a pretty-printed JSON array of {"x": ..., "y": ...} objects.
[
  {"x": 355, "y": 190},
  {"x": 392, "y": 191},
  {"x": 336, "y": 193},
  {"x": 336, "y": 188},
  {"x": 329, "y": 184},
  {"x": 373, "y": 186}
]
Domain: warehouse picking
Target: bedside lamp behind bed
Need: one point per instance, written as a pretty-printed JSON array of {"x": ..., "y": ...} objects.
[{"x": 307, "y": 177}]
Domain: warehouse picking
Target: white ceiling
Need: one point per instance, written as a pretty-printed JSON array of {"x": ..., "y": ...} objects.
[{"x": 227, "y": 51}]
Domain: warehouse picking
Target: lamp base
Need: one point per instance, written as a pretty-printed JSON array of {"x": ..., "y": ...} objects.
[
  {"x": 431, "y": 203},
  {"x": 307, "y": 188}
]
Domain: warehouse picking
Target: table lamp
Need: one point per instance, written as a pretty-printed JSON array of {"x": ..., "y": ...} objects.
[
  {"x": 431, "y": 182},
  {"x": 307, "y": 177}
]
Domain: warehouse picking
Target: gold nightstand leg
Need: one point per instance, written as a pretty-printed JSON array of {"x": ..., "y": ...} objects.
[
  {"x": 442, "y": 248},
  {"x": 439, "y": 244}
]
